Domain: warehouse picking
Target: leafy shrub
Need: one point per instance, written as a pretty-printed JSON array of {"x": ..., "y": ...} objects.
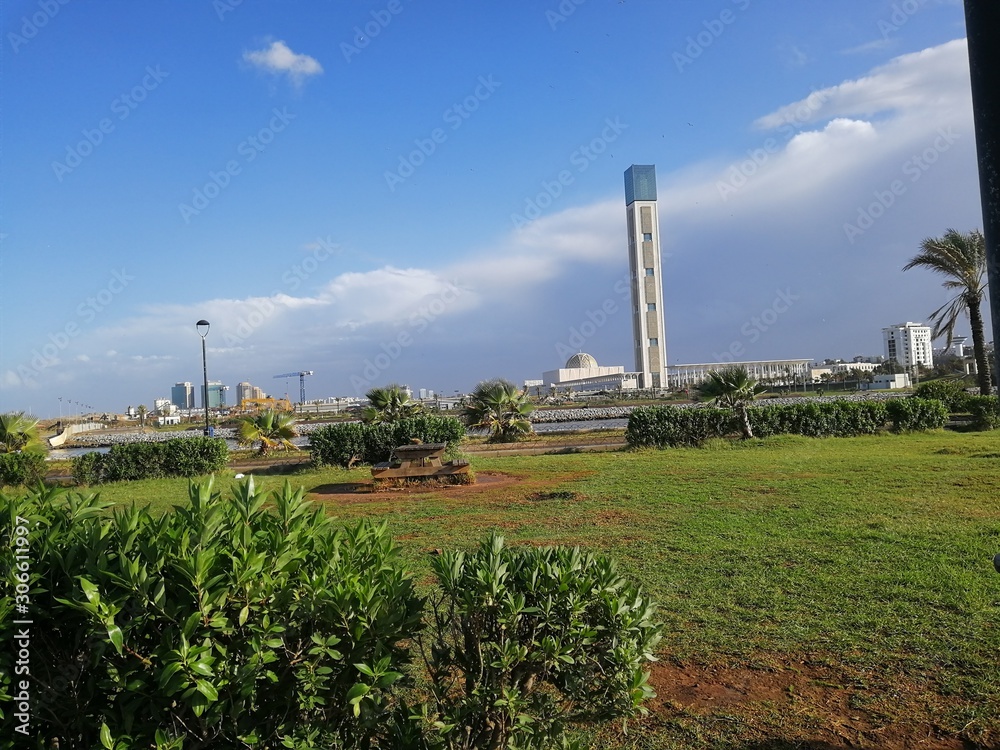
[
  {"x": 23, "y": 468},
  {"x": 917, "y": 414},
  {"x": 949, "y": 391},
  {"x": 669, "y": 426},
  {"x": 353, "y": 442},
  {"x": 217, "y": 625},
  {"x": 985, "y": 412},
  {"x": 180, "y": 457},
  {"x": 527, "y": 641},
  {"x": 663, "y": 426}
]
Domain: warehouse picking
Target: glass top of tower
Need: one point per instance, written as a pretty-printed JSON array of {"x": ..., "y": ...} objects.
[{"x": 640, "y": 183}]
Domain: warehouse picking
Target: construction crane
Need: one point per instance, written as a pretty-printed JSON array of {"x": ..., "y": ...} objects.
[{"x": 302, "y": 382}]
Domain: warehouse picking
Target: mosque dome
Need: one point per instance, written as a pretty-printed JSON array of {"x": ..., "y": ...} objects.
[{"x": 581, "y": 361}]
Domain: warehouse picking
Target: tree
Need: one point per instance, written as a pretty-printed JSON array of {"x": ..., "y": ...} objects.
[
  {"x": 498, "y": 406},
  {"x": 961, "y": 259},
  {"x": 272, "y": 430},
  {"x": 18, "y": 432},
  {"x": 732, "y": 388},
  {"x": 389, "y": 404},
  {"x": 141, "y": 411}
]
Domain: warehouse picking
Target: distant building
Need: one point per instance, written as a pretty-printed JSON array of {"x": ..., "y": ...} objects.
[
  {"x": 216, "y": 394},
  {"x": 777, "y": 371},
  {"x": 888, "y": 382},
  {"x": 909, "y": 344},
  {"x": 649, "y": 337},
  {"x": 582, "y": 373},
  {"x": 245, "y": 391},
  {"x": 182, "y": 396}
]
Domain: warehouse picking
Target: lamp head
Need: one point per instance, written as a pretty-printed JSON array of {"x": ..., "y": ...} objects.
[{"x": 202, "y": 327}]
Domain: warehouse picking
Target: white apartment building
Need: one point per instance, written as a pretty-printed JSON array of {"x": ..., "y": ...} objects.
[{"x": 909, "y": 344}]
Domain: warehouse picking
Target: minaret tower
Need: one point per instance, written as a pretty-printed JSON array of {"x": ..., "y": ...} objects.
[{"x": 648, "y": 333}]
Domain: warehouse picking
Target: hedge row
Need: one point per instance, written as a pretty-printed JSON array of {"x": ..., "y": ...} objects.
[
  {"x": 670, "y": 426},
  {"x": 24, "y": 468},
  {"x": 180, "y": 457},
  {"x": 985, "y": 411},
  {"x": 351, "y": 443}
]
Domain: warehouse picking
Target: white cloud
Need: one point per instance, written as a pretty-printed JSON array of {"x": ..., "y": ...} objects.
[{"x": 279, "y": 59}]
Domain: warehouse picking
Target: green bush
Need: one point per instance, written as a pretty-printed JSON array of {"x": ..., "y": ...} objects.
[
  {"x": 21, "y": 469},
  {"x": 527, "y": 641},
  {"x": 217, "y": 625},
  {"x": 985, "y": 411},
  {"x": 917, "y": 414},
  {"x": 668, "y": 426},
  {"x": 180, "y": 457},
  {"x": 949, "y": 391},
  {"x": 225, "y": 625},
  {"x": 353, "y": 442}
]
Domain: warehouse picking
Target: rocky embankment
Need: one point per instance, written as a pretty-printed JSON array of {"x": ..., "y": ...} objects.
[{"x": 541, "y": 416}]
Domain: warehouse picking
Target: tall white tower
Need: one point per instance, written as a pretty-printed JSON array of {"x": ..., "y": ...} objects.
[{"x": 648, "y": 332}]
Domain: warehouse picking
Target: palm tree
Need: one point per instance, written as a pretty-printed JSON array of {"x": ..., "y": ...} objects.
[
  {"x": 732, "y": 388},
  {"x": 18, "y": 432},
  {"x": 961, "y": 259},
  {"x": 389, "y": 404},
  {"x": 273, "y": 430},
  {"x": 141, "y": 411},
  {"x": 498, "y": 406}
]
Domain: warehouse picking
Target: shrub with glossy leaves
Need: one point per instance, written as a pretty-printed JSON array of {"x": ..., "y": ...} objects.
[
  {"x": 349, "y": 443},
  {"x": 180, "y": 457},
  {"x": 219, "y": 625},
  {"x": 985, "y": 411},
  {"x": 950, "y": 391},
  {"x": 24, "y": 468},
  {"x": 917, "y": 414},
  {"x": 526, "y": 642}
]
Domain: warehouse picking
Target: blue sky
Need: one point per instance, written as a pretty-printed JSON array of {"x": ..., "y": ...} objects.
[{"x": 439, "y": 199}]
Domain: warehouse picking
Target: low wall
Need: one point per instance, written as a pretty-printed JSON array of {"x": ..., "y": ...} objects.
[{"x": 73, "y": 429}]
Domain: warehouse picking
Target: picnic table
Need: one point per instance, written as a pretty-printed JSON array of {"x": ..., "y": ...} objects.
[{"x": 420, "y": 460}]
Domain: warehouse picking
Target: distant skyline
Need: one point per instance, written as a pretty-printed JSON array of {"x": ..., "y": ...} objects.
[{"x": 390, "y": 192}]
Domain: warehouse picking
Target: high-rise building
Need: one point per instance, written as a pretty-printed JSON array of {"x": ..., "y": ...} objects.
[
  {"x": 909, "y": 344},
  {"x": 648, "y": 332},
  {"x": 216, "y": 394},
  {"x": 182, "y": 395},
  {"x": 246, "y": 391}
]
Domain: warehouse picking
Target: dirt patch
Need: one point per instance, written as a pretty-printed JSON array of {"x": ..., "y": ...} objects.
[
  {"x": 798, "y": 704},
  {"x": 363, "y": 492}
]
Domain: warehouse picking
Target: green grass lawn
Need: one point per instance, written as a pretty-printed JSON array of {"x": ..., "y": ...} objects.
[{"x": 837, "y": 591}]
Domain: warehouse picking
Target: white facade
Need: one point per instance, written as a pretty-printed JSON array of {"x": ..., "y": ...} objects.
[
  {"x": 909, "y": 344},
  {"x": 648, "y": 331},
  {"x": 582, "y": 373},
  {"x": 778, "y": 371},
  {"x": 889, "y": 382}
]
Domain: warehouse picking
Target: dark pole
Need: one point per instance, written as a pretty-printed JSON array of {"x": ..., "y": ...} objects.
[
  {"x": 204, "y": 368},
  {"x": 982, "y": 22}
]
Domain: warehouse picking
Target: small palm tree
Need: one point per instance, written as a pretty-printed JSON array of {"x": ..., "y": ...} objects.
[
  {"x": 141, "y": 411},
  {"x": 961, "y": 259},
  {"x": 389, "y": 404},
  {"x": 498, "y": 406},
  {"x": 18, "y": 432},
  {"x": 731, "y": 388},
  {"x": 272, "y": 430}
]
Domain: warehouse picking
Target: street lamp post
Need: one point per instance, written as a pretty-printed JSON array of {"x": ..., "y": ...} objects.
[{"x": 204, "y": 366}]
